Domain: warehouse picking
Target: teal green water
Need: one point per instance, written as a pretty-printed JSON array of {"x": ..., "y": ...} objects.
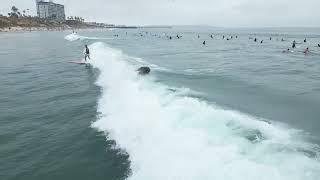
[{"x": 48, "y": 105}]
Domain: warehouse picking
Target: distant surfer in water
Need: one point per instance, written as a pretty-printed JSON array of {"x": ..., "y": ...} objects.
[
  {"x": 306, "y": 51},
  {"x": 294, "y": 44},
  {"x": 286, "y": 51},
  {"x": 318, "y": 45},
  {"x": 86, "y": 53}
]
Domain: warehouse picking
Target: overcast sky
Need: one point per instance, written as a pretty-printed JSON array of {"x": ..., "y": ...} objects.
[{"x": 225, "y": 13}]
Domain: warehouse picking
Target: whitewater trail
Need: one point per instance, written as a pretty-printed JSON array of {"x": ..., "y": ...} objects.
[
  {"x": 169, "y": 135},
  {"x": 76, "y": 37}
]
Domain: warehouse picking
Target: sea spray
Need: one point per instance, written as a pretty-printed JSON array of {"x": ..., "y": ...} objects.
[
  {"x": 72, "y": 37},
  {"x": 169, "y": 135},
  {"x": 76, "y": 37}
]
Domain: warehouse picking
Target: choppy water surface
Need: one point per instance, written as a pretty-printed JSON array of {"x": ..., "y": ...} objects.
[{"x": 230, "y": 109}]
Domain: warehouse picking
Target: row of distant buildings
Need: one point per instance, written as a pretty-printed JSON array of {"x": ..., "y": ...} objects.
[
  {"x": 50, "y": 10},
  {"x": 53, "y": 11}
]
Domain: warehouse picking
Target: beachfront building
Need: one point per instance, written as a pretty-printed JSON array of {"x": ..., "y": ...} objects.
[{"x": 50, "y": 10}]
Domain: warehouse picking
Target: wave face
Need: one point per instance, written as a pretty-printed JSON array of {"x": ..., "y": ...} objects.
[{"x": 171, "y": 135}]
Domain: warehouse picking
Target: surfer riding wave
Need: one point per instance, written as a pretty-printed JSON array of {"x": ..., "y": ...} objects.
[{"x": 86, "y": 53}]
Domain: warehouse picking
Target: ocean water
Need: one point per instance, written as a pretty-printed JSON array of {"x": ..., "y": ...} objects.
[{"x": 230, "y": 109}]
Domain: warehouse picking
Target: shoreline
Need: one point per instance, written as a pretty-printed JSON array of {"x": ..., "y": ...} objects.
[
  {"x": 31, "y": 24},
  {"x": 42, "y": 29}
]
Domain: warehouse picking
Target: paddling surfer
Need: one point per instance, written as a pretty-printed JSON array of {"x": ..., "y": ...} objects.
[{"x": 286, "y": 51}]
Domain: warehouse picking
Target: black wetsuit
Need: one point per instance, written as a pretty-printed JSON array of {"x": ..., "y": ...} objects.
[
  {"x": 87, "y": 54},
  {"x": 87, "y": 51}
]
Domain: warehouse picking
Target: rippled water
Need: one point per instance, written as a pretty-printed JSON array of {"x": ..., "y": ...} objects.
[{"x": 228, "y": 110}]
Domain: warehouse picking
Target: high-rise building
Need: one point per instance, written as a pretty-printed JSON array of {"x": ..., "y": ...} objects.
[{"x": 50, "y": 10}]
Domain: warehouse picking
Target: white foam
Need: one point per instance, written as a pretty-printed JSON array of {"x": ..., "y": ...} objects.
[
  {"x": 72, "y": 37},
  {"x": 171, "y": 136},
  {"x": 76, "y": 37}
]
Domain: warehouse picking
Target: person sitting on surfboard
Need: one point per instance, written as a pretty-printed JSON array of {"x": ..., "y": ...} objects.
[
  {"x": 86, "y": 53},
  {"x": 294, "y": 44}
]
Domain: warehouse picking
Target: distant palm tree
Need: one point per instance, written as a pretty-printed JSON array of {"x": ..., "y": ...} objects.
[
  {"x": 15, "y": 12},
  {"x": 14, "y": 9}
]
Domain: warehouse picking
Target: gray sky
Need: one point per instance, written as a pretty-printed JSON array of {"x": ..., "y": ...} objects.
[{"x": 227, "y": 13}]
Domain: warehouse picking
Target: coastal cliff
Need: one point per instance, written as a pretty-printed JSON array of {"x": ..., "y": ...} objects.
[{"x": 8, "y": 24}]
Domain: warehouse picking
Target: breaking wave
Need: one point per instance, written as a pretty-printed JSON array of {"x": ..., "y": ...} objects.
[
  {"x": 170, "y": 134},
  {"x": 76, "y": 37}
]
